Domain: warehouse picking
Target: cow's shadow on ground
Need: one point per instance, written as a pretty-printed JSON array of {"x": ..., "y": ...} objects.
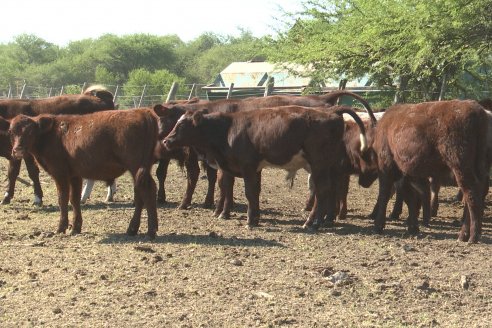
[{"x": 187, "y": 239}]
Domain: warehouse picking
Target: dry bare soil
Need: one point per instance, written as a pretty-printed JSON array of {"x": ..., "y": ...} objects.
[{"x": 204, "y": 272}]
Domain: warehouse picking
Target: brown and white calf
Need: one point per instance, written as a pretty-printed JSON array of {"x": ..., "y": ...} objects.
[
  {"x": 290, "y": 137},
  {"x": 98, "y": 146},
  {"x": 417, "y": 141}
]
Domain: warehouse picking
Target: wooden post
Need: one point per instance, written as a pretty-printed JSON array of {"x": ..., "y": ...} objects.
[
  {"x": 22, "y": 91},
  {"x": 229, "y": 92},
  {"x": 49, "y": 92},
  {"x": 83, "y": 87},
  {"x": 9, "y": 95},
  {"x": 269, "y": 86},
  {"x": 172, "y": 92},
  {"x": 115, "y": 94},
  {"x": 192, "y": 91},
  {"x": 61, "y": 90},
  {"x": 141, "y": 96}
]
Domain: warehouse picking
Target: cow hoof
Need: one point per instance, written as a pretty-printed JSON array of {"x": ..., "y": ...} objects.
[
  {"x": 184, "y": 207},
  {"x": 329, "y": 224},
  {"x": 208, "y": 205},
  {"x": 161, "y": 201},
  {"x": 75, "y": 232},
  {"x": 151, "y": 234},
  {"x": 131, "y": 232},
  {"x": 378, "y": 230},
  {"x": 413, "y": 230},
  {"x": 223, "y": 216},
  {"x": 463, "y": 237},
  {"x": 38, "y": 204},
  {"x": 5, "y": 201}
]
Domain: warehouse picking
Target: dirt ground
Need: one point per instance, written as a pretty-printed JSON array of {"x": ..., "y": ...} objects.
[{"x": 204, "y": 272}]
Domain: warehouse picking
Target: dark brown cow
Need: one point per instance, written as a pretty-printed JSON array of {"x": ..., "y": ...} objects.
[
  {"x": 352, "y": 164},
  {"x": 416, "y": 141},
  {"x": 289, "y": 137},
  {"x": 173, "y": 113},
  {"x": 98, "y": 146},
  {"x": 94, "y": 99}
]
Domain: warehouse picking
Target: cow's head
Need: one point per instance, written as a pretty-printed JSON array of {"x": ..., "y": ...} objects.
[
  {"x": 187, "y": 131},
  {"x": 25, "y": 131},
  {"x": 168, "y": 116},
  {"x": 368, "y": 161}
]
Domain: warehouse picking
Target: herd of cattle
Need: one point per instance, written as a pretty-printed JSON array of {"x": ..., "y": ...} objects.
[{"x": 409, "y": 148}]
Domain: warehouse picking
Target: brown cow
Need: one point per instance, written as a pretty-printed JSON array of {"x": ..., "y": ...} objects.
[
  {"x": 95, "y": 98},
  {"x": 99, "y": 146},
  {"x": 352, "y": 164},
  {"x": 173, "y": 113},
  {"x": 416, "y": 141},
  {"x": 289, "y": 137}
]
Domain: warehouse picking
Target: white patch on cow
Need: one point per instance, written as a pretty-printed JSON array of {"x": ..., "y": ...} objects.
[
  {"x": 296, "y": 163},
  {"x": 181, "y": 118},
  {"x": 6, "y": 195},
  {"x": 363, "y": 142},
  {"x": 86, "y": 192},
  {"x": 111, "y": 192}
]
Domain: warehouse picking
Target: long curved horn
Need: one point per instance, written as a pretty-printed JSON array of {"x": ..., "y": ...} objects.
[{"x": 333, "y": 96}]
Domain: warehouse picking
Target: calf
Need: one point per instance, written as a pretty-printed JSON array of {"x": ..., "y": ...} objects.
[
  {"x": 416, "y": 141},
  {"x": 289, "y": 137},
  {"x": 99, "y": 146},
  {"x": 173, "y": 113},
  {"x": 95, "y": 98}
]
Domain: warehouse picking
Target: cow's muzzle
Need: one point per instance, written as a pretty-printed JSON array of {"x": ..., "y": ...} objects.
[{"x": 167, "y": 143}]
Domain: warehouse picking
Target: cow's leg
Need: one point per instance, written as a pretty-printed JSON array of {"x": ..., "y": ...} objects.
[
  {"x": 435, "y": 186},
  {"x": 341, "y": 194},
  {"x": 398, "y": 205},
  {"x": 311, "y": 198},
  {"x": 161, "y": 174},
  {"x": 63, "y": 188},
  {"x": 422, "y": 186},
  {"x": 385, "y": 185},
  {"x": 33, "y": 171},
  {"x": 226, "y": 199},
  {"x": 13, "y": 173},
  {"x": 111, "y": 192},
  {"x": 75, "y": 191},
  {"x": 212, "y": 179},
  {"x": 86, "y": 192},
  {"x": 325, "y": 199},
  {"x": 145, "y": 195},
  {"x": 472, "y": 189},
  {"x": 252, "y": 187},
  {"x": 412, "y": 199},
  {"x": 192, "y": 173}
]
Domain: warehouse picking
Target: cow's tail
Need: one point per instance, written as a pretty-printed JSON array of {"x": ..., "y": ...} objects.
[
  {"x": 148, "y": 151},
  {"x": 99, "y": 91},
  {"x": 358, "y": 121},
  {"x": 332, "y": 97}
]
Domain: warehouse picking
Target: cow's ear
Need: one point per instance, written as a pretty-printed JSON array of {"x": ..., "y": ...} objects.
[
  {"x": 159, "y": 109},
  {"x": 197, "y": 118},
  {"x": 4, "y": 126},
  {"x": 46, "y": 123}
]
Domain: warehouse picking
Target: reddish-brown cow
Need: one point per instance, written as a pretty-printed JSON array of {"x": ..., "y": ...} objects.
[
  {"x": 289, "y": 137},
  {"x": 416, "y": 141},
  {"x": 173, "y": 113},
  {"x": 99, "y": 146},
  {"x": 94, "y": 99}
]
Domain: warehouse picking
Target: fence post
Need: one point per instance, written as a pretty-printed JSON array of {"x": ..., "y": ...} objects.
[
  {"x": 83, "y": 87},
  {"x": 115, "y": 94},
  {"x": 172, "y": 92},
  {"x": 22, "y": 91},
  {"x": 229, "y": 92},
  {"x": 9, "y": 95},
  {"x": 61, "y": 90},
  {"x": 269, "y": 86},
  {"x": 49, "y": 92},
  {"x": 192, "y": 91},
  {"x": 141, "y": 96}
]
